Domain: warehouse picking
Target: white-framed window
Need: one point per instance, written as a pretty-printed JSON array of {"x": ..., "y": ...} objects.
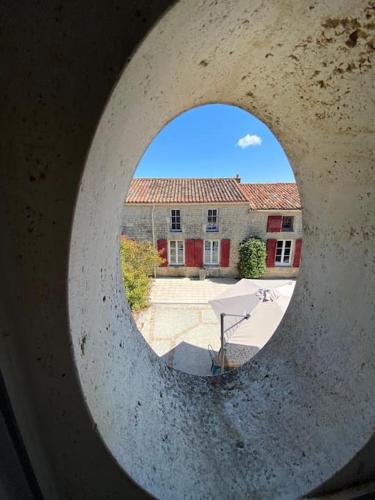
[
  {"x": 283, "y": 255},
  {"x": 212, "y": 220},
  {"x": 287, "y": 223},
  {"x": 211, "y": 252},
  {"x": 175, "y": 220},
  {"x": 176, "y": 252}
]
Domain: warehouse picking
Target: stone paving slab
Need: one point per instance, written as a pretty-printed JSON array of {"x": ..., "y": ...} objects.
[
  {"x": 181, "y": 334},
  {"x": 187, "y": 290}
]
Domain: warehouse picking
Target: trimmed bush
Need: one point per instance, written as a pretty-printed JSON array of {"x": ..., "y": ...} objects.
[
  {"x": 137, "y": 260},
  {"x": 252, "y": 261}
]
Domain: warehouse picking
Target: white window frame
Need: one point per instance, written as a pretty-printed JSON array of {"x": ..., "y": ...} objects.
[
  {"x": 170, "y": 263},
  {"x": 285, "y": 264},
  {"x": 204, "y": 253},
  {"x": 282, "y": 223},
  {"x": 213, "y": 229},
  {"x": 171, "y": 220}
]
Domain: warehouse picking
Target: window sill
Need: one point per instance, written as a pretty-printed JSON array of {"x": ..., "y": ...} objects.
[{"x": 175, "y": 230}]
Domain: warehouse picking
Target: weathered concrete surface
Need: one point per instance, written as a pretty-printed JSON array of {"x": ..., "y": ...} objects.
[
  {"x": 304, "y": 408},
  {"x": 59, "y": 64}
]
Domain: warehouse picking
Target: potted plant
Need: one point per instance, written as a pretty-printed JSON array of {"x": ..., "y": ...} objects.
[{"x": 202, "y": 273}]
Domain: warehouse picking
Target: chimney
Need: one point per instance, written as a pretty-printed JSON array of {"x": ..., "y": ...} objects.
[{"x": 238, "y": 178}]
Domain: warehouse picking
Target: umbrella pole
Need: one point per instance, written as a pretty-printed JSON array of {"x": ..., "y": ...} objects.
[{"x": 222, "y": 353}]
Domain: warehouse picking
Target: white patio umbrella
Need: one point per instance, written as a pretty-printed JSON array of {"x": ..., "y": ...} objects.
[{"x": 264, "y": 302}]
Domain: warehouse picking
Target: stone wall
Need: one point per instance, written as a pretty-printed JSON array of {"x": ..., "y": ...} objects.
[
  {"x": 236, "y": 222},
  {"x": 257, "y": 226}
]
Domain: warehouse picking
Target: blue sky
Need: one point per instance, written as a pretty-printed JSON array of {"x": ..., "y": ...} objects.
[{"x": 216, "y": 140}]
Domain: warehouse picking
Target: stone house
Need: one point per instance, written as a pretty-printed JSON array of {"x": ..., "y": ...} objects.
[{"x": 199, "y": 223}]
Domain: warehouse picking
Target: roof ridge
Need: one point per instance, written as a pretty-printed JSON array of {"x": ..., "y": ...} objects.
[
  {"x": 210, "y": 179},
  {"x": 265, "y": 183},
  {"x": 182, "y": 178}
]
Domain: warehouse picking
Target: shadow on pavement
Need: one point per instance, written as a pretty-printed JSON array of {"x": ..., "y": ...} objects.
[{"x": 197, "y": 360}]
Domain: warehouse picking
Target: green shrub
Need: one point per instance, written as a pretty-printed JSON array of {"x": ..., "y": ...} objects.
[
  {"x": 137, "y": 260},
  {"x": 252, "y": 258}
]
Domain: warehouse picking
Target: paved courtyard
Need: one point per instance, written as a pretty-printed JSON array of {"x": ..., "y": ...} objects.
[
  {"x": 181, "y": 327},
  {"x": 187, "y": 290},
  {"x": 180, "y": 334}
]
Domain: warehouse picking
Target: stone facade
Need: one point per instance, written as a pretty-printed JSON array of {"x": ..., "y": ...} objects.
[{"x": 236, "y": 222}]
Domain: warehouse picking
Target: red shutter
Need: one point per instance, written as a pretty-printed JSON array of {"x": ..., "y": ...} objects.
[
  {"x": 297, "y": 253},
  {"x": 271, "y": 253},
  {"x": 224, "y": 253},
  {"x": 189, "y": 253},
  {"x": 198, "y": 253},
  {"x": 162, "y": 246},
  {"x": 274, "y": 223}
]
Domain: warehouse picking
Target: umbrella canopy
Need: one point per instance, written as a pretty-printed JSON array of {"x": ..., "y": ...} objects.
[{"x": 265, "y": 300}]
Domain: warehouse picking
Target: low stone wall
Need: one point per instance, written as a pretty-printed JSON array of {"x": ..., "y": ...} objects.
[
  {"x": 221, "y": 272},
  {"x": 281, "y": 272},
  {"x": 193, "y": 272}
]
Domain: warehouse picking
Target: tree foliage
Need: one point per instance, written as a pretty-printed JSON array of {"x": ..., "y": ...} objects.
[
  {"x": 138, "y": 260},
  {"x": 252, "y": 258}
]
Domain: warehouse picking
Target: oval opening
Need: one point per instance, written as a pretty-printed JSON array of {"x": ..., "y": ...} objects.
[{"x": 211, "y": 239}]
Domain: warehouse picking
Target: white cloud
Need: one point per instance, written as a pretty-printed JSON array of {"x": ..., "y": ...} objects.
[{"x": 249, "y": 140}]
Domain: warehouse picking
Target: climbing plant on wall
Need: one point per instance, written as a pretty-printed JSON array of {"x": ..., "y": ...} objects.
[{"x": 252, "y": 258}]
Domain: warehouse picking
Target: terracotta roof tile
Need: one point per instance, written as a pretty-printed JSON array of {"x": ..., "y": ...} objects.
[
  {"x": 276, "y": 196},
  {"x": 185, "y": 191}
]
